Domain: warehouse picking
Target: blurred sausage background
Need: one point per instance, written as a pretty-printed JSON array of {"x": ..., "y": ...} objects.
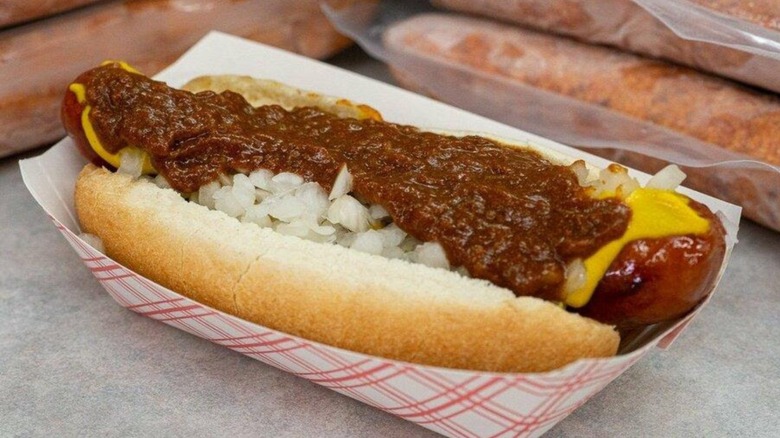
[
  {"x": 18, "y": 11},
  {"x": 626, "y": 25},
  {"x": 39, "y": 58}
]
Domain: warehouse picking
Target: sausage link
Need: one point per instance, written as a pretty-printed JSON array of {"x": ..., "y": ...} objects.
[{"x": 643, "y": 284}]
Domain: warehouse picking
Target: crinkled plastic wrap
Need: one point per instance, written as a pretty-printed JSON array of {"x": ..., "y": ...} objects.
[
  {"x": 600, "y": 102},
  {"x": 39, "y": 59},
  {"x": 735, "y": 39}
]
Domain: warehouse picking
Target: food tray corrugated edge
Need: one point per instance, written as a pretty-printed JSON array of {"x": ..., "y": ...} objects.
[{"x": 455, "y": 403}]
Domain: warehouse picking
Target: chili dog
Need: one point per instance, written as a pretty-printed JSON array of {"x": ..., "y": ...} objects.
[{"x": 463, "y": 196}]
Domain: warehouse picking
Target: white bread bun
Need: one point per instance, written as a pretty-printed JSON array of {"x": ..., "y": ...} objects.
[{"x": 324, "y": 292}]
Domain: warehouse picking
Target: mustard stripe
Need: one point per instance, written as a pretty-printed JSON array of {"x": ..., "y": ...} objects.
[{"x": 655, "y": 214}]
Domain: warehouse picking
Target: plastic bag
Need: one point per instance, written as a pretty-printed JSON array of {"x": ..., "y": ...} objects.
[
  {"x": 738, "y": 40},
  {"x": 484, "y": 85}
]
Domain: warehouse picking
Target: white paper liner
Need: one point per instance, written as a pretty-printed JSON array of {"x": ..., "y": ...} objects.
[{"x": 454, "y": 403}]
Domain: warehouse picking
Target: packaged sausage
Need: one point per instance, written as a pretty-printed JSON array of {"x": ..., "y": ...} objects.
[
  {"x": 19, "y": 11},
  {"x": 40, "y": 58},
  {"x": 642, "y": 112},
  {"x": 738, "y": 40}
]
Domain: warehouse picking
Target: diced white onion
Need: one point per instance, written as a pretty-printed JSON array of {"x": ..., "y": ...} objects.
[
  {"x": 432, "y": 254},
  {"x": 206, "y": 194},
  {"x": 392, "y": 236},
  {"x": 258, "y": 215},
  {"x": 290, "y": 206},
  {"x": 131, "y": 162},
  {"x": 226, "y": 202},
  {"x": 285, "y": 182},
  {"x": 314, "y": 198},
  {"x": 393, "y": 252},
  {"x": 614, "y": 180},
  {"x": 261, "y": 179},
  {"x": 161, "y": 182},
  {"x": 576, "y": 275},
  {"x": 368, "y": 242},
  {"x": 345, "y": 238},
  {"x": 350, "y": 213},
  {"x": 581, "y": 171},
  {"x": 243, "y": 190},
  {"x": 287, "y": 208},
  {"x": 342, "y": 185},
  {"x": 668, "y": 178},
  {"x": 377, "y": 212},
  {"x": 295, "y": 228}
]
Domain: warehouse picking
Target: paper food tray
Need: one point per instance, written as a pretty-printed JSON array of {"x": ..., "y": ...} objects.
[{"x": 452, "y": 402}]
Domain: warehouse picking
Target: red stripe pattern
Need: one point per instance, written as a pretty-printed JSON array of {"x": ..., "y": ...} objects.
[{"x": 453, "y": 403}]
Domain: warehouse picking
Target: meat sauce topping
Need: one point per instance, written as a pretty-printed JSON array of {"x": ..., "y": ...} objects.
[{"x": 507, "y": 215}]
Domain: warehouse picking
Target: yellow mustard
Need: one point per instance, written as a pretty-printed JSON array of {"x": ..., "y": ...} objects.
[
  {"x": 94, "y": 142},
  {"x": 656, "y": 213}
]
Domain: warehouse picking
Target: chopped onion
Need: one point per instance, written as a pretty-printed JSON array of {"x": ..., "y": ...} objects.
[
  {"x": 342, "y": 185},
  {"x": 262, "y": 179},
  {"x": 377, "y": 212},
  {"x": 350, "y": 213},
  {"x": 368, "y": 242},
  {"x": 287, "y": 208},
  {"x": 285, "y": 182},
  {"x": 432, "y": 254},
  {"x": 258, "y": 215},
  {"x": 580, "y": 171},
  {"x": 243, "y": 190},
  {"x": 393, "y": 252},
  {"x": 576, "y": 275},
  {"x": 226, "y": 202},
  {"x": 323, "y": 230},
  {"x": 392, "y": 236},
  {"x": 314, "y": 198},
  {"x": 206, "y": 194},
  {"x": 293, "y": 207},
  {"x": 667, "y": 178},
  {"x": 131, "y": 162},
  {"x": 295, "y": 228},
  {"x": 161, "y": 182},
  {"x": 615, "y": 180}
]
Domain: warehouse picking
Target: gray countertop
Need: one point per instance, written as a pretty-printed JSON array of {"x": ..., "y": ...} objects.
[{"x": 74, "y": 363}]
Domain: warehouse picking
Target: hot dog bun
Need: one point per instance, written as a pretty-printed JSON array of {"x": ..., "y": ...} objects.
[{"x": 327, "y": 293}]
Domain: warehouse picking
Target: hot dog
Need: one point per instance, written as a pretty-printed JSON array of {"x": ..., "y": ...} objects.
[{"x": 465, "y": 197}]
